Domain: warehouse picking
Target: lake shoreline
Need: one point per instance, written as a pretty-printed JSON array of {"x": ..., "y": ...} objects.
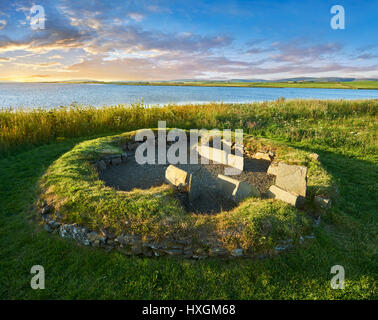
[
  {"x": 55, "y": 95},
  {"x": 352, "y": 85}
]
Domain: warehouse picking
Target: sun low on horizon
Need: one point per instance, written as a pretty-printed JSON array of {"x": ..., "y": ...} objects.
[{"x": 67, "y": 40}]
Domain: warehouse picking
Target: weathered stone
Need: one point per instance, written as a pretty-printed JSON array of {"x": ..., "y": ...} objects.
[
  {"x": 101, "y": 165},
  {"x": 75, "y": 232},
  {"x": 93, "y": 236},
  {"x": 244, "y": 190},
  {"x": 136, "y": 249},
  {"x": 126, "y": 239},
  {"x": 176, "y": 176},
  {"x": 217, "y": 252},
  {"x": 280, "y": 194},
  {"x": 292, "y": 178},
  {"x": 314, "y": 156},
  {"x": 234, "y": 189},
  {"x": 237, "y": 252},
  {"x": 322, "y": 203},
  {"x": 273, "y": 169},
  {"x": 173, "y": 252},
  {"x": 197, "y": 180},
  {"x": 262, "y": 156},
  {"x": 54, "y": 224}
]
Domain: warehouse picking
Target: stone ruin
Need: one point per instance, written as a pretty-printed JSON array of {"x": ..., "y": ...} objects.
[
  {"x": 287, "y": 182},
  {"x": 290, "y": 182}
]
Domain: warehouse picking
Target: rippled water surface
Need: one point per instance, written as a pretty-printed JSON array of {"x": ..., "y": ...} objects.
[{"x": 35, "y": 95}]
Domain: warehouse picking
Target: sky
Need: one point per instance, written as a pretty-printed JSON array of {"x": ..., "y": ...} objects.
[{"x": 121, "y": 40}]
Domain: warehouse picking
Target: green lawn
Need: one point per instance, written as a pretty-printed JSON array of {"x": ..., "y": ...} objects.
[{"x": 346, "y": 142}]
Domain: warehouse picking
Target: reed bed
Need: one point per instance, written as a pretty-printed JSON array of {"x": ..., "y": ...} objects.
[{"x": 294, "y": 120}]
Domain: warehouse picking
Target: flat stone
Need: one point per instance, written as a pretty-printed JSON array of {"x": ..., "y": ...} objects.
[
  {"x": 292, "y": 178},
  {"x": 273, "y": 169},
  {"x": 176, "y": 176},
  {"x": 217, "y": 252},
  {"x": 244, "y": 190},
  {"x": 262, "y": 156},
  {"x": 197, "y": 180},
  {"x": 283, "y": 195},
  {"x": 234, "y": 189},
  {"x": 173, "y": 252},
  {"x": 93, "y": 236},
  {"x": 237, "y": 252}
]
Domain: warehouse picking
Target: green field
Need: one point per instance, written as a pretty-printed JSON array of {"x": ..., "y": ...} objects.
[
  {"x": 367, "y": 84},
  {"x": 344, "y": 133}
]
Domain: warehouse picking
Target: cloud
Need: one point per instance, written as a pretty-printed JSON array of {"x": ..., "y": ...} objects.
[
  {"x": 298, "y": 49},
  {"x": 138, "y": 17},
  {"x": 3, "y": 24}
]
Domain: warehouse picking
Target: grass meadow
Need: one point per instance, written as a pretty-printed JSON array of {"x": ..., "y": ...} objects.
[{"x": 343, "y": 133}]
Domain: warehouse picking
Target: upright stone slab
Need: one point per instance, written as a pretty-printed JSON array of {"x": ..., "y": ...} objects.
[
  {"x": 244, "y": 190},
  {"x": 176, "y": 176},
  {"x": 234, "y": 189},
  {"x": 226, "y": 185},
  {"x": 197, "y": 180},
  {"x": 280, "y": 194},
  {"x": 292, "y": 178}
]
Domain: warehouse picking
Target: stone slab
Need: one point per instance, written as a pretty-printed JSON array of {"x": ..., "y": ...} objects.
[
  {"x": 244, "y": 190},
  {"x": 273, "y": 169},
  {"x": 234, "y": 189},
  {"x": 292, "y": 178},
  {"x": 176, "y": 176},
  {"x": 283, "y": 195},
  {"x": 197, "y": 180}
]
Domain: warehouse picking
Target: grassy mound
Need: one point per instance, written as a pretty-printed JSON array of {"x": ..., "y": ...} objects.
[{"x": 72, "y": 186}]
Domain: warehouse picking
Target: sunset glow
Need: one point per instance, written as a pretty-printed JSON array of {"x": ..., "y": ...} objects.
[{"x": 166, "y": 40}]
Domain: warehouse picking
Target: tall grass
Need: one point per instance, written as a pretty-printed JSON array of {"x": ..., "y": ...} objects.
[{"x": 324, "y": 120}]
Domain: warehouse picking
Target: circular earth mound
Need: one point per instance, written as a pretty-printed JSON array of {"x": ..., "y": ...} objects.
[
  {"x": 98, "y": 195},
  {"x": 131, "y": 175}
]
